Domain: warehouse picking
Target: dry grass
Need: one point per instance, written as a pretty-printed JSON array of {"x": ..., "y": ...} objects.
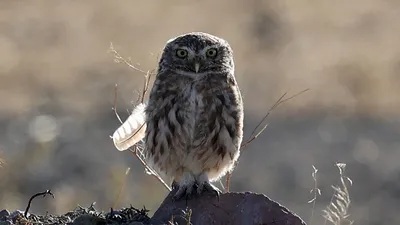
[
  {"x": 315, "y": 191},
  {"x": 337, "y": 211}
]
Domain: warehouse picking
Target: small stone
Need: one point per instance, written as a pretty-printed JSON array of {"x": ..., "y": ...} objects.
[
  {"x": 18, "y": 212},
  {"x": 4, "y": 214}
]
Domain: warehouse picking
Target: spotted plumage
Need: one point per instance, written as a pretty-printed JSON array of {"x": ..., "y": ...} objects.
[{"x": 194, "y": 116}]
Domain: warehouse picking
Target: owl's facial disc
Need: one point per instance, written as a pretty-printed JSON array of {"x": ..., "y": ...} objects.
[{"x": 197, "y": 54}]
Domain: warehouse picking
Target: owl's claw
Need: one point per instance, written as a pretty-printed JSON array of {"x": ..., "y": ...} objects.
[
  {"x": 186, "y": 191},
  {"x": 185, "y": 187},
  {"x": 174, "y": 185},
  {"x": 208, "y": 187}
]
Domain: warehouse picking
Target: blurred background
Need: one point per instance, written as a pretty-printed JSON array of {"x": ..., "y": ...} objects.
[{"x": 57, "y": 81}]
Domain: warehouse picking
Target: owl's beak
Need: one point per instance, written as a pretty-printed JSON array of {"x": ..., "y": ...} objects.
[{"x": 196, "y": 67}]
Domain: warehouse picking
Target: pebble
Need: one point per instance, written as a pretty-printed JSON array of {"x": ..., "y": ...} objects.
[
  {"x": 18, "y": 212},
  {"x": 4, "y": 214}
]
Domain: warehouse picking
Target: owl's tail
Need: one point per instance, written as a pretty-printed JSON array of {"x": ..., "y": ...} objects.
[{"x": 132, "y": 130}]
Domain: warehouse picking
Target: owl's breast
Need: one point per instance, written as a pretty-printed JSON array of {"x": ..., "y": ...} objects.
[
  {"x": 193, "y": 121},
  {"x": 188, "y": 109},
  {"x": 218, "y": 114}
]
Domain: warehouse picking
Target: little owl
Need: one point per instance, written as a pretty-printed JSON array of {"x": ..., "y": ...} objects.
[{"x": 192, "y": 124}]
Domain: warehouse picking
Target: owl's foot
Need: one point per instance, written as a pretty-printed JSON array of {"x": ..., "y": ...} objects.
[
  {"x": 184, "y": 192},
  {"x": 206, "y": 186},
  {"x": 185, "y": 187},
  {"x": 175, "y": 185}
]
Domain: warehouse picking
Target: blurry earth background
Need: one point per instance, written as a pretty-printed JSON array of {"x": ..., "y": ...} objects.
[{"x": 57, "y": 89}]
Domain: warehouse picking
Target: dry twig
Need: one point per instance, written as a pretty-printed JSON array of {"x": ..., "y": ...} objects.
[
  {"x": 146, "y": 85},
  {"x": 315, "y": 191},
  {"x": 254, "y": 134},
  {"x": 118, "y": 59},
  {"x": 114, "y": 108},
  {"x": 281, "y": 100},
  {"x": 44, "y": 194},
  {"x": 149, "y": 170},
  {"x": 122, "y": 187}
]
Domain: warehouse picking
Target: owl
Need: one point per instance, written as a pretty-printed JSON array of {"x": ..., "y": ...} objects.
[{"x": 192, "y": 124}]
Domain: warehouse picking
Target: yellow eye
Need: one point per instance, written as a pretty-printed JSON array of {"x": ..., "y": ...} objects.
[
  {"x": 212, "y": 52},
  {"x": 181, "y": 53}
]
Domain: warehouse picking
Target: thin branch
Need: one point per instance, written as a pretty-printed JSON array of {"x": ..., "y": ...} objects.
[
  {"x": 254, "y": 134},
  {"x": 315, "y": 191},
  {"x": 269, "y": 112},
  {"x": 281, "y": 100},
  {"x": 114, "y": 108},
  {"x": 44, "y": 194},
  {"x": 122, "y": 187},
  {"x": 146, "y": 85},
  {"x": 251, "y": 139},
  {"x": 154, "y": 173},
  {"x": 228, "y": 182},
  {"x": 118, "y": 59}
]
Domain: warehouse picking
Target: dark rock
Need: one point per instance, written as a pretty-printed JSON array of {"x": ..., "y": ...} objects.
[
  {"x": 89, "y": 219},
  {"x": 232, "y": 208},
  {"x": 7, "y": 222},
  {"x": 4, "y": 214},
  {"x": 82, "y": 216},
  {"x": 136, "y": 223}
]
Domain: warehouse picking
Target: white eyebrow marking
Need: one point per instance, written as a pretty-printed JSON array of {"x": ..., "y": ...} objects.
[
  {"x": 207, "y": 47},
  {"x": 184, "y": 47}
]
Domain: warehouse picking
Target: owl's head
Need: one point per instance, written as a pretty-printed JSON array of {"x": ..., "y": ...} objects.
[{"x": 197, "y": 53}]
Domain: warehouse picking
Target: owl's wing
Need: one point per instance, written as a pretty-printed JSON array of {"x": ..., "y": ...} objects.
[{"x": 132, "y": 130}]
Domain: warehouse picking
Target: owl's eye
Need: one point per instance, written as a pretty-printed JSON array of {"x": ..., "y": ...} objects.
[
  {"x": 181, "y": 53},
  {"x": 212, "y": 52}
]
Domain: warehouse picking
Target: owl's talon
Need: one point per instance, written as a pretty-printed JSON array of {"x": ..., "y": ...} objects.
[
  {"x": 207, "y": 187},
  {"x": 174, "y": 185},
  {"x": 185, "y": 191}
]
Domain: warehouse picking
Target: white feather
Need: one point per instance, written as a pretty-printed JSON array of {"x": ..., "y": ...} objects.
[{"x": 132, "y": 130}]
